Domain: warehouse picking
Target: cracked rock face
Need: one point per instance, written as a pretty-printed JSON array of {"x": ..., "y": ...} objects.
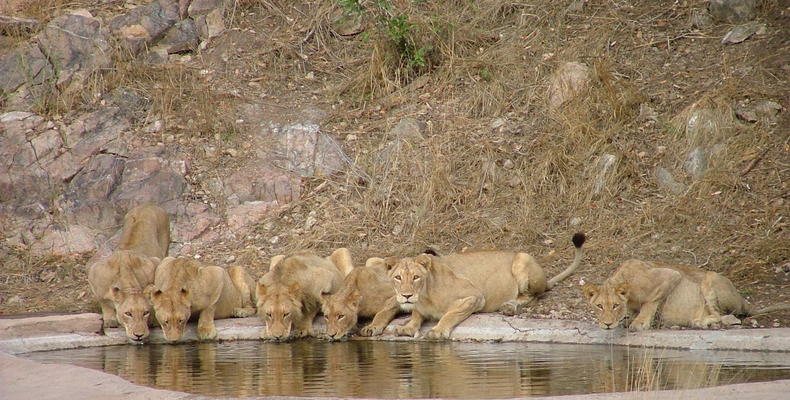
[{"x": 56, "y": 62}]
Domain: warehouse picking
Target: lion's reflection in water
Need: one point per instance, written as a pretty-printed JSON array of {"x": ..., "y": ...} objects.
[{"x": 418, "y": 369}]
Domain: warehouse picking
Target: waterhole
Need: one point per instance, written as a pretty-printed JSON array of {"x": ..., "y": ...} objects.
[{"x": 418, "y": 369}]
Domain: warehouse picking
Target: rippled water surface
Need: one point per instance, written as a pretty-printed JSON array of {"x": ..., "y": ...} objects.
[{"x": 408, "y": 369}]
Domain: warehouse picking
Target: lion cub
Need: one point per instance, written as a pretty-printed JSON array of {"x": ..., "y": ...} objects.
[
  {"x": 184, "y": 288},
  {"x": 118, "y": 280},
  {"x": 681, "y": 295},
  {"x": 289, "y": 295},
  {"x": 450, "y": 288},
  {"x": 366, "y": 292}
]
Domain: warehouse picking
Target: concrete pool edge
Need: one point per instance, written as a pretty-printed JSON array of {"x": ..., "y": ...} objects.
[
  {"x": 21, "y": 378},
  {"x": 81, "y": 330}
]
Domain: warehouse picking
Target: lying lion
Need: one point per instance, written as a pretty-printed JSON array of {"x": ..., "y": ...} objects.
[
  {"x": 118, "y": 281},
  {"x": 450, "y": 288},
  {"x": 367, "y": 292},
  {"x": 184, "y": 288},
  {"x": 289, "y": 295},
  {"x": 680, "y": 295}
]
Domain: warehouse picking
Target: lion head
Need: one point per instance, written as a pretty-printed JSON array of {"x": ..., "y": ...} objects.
[
  {"x": 340, "y": 311},
  {"x": 133, "y": 312},
  {"x": 609, "y": 303},
  {"x": 172, "y": 309},
  {"x": 408, "y": 276},
  {"x": 279, "y": 306}
]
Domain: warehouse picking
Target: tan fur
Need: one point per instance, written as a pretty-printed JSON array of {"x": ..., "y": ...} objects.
[
  {"x": 118, "y": 280},
  {"x": 450, "y": 288},
  {"x": 289, "y": 295},
  {"x": 678, "y": 294},
  {"x": 184, "y": 288},
  {"x": 367, "y": 292}
]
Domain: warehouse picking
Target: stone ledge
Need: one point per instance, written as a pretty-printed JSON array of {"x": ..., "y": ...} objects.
[{"x": 479, "y": 327}]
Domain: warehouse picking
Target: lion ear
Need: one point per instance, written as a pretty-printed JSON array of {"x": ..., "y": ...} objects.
[
  {"x": 260, "y": 289},
  {"x": 622, "y": 290},
  {"x": 354, "y": 298},
  {"x": 390, "y": 263},
  {"x": 373, "y": 261},
  {"x": 424, "y": 260},
  {"x": 116, "y": 293},
  {"x": 148, "y": 291},
  {"x": 155, "y": 260},
  {"x": 590, "y": 290},
  {"x": 275, "y": 260},
  {"x": 294, "y": 287},
  {"x": 184, "y": 292}
]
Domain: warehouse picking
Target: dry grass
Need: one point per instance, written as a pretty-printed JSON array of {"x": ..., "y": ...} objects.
[{"x": 518, "y": 186}]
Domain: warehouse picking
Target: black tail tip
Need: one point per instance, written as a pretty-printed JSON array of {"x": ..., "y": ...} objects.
[
  {"x": 578, "y": 239},
  {"x": 431, "y": 252}
]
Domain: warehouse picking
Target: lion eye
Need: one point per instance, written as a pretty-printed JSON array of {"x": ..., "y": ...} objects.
[
  {"x": 268, "y": 315},
  {"x": 286, "y": 315},
  {"x": 615, "y": 306},
  {"x": 180, "y": 321},
  {"x": 397, "y": 278},
  {"x": 341, "y": 316},
  {"x": 600, "y": 306},
  {"x": 128, "y": 314},
  {"x": 416, "y": 278},
  {"x": 147, "y": 313}
]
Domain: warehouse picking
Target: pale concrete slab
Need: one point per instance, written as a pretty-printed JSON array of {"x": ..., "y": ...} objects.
[{"x": 25, "y": 379}]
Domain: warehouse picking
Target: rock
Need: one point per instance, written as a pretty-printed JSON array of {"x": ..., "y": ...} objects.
[
  {"x": 576, "y": 6},
  {"x": 87, "y": 323},
  {"x": 180, "y": 38},
  {"x": 696, "y": 162},
  {"x": 157, "y": 55},
  {"x": 77, "y": 46},
  {"x": 733, "y": 11},
  {"x": 306, "y": 151},
  {"x": 145, "y": 24},
  {"x": 192, "y": 221},
  {"x": 256, "y": 181},
  {"x": 730, "y": 320},
  {"x": 24, "y": 78},
  {"x": 65, "y": 240},
  {"x": 408, "y": 129},
  {"x": 575, "y": 221},
  {"x": 567, "y": 82},
  {"x": 203, "y": 7},
  {"x": 646, "y": 113},
  {"x": 700, "y": 19},
  {"x": 763, "y": 111},
  {"x": 498, "y": 123},
  {"x": 348, "y": 24},
  {"x": 242, "y": 217},
  {"x": 606, "y": 167},
  {"x": 743, "y": 32},
  {"x": 666, "y": 181}
]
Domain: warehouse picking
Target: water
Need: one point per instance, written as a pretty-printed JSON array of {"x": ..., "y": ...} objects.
[{"x": 418, "y": 369}]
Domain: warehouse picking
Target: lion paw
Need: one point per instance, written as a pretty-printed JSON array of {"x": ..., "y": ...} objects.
[
  {"x": 371, "y": 330},
  {"x": 638, "y": 326},
  {"x": 434, "y": 334},
  {"x": 511, "y": 308},
  {"x": 110, "y": 323},
  {"x": 243, "y": 312},
  {"x": 301, "y": 333},
  {"x": 405, "y": 331},
  {"x": 207, "y": 332}
]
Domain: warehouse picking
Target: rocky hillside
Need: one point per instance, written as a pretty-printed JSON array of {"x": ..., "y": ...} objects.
[{"x": 267, "y": 126}]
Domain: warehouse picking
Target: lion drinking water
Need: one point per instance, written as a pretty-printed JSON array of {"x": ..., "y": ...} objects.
[
  {"x": 679, "y": 295},
  {"x": 450, "y": 288},
  {"x": 118, "y": 281},
  {"x": 289, "y": 295},
  {"x": 184, "y": 288}
]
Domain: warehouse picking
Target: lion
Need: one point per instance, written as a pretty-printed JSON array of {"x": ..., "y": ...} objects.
[
  {"x": 680, "y": 295},
  {"x": 184, "y": 288},
  {"x": 289, "y": 295},
  {"x": 118, "y": 281},
  {"x": 450, "y": 288},
  {"x": 367, "y": 292}
]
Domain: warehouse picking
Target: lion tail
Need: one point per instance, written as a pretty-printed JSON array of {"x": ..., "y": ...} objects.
[
  {"x": 578, "y": 241},
  {"x": 771, "y": 308}
]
